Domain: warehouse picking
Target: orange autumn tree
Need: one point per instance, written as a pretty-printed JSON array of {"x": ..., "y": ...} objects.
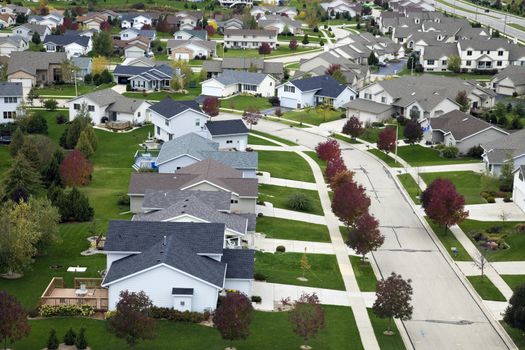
[{"x": 75, "y": 169}]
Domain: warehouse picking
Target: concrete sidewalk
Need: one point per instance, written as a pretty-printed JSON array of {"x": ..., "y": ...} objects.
[
  {"x": 269, "y": 244},
  {"x": 277, "y": 148},
  {"x": 498, "y": 211},
  {"x": 509, "y": 267},
  {"x": 269, "y": 210},
  {"x": 476, "y": 167},
  {"x": 267, "y": 179}
]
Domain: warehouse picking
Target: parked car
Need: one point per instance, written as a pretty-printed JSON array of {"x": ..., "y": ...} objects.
[{"x": 5, "y": 140}]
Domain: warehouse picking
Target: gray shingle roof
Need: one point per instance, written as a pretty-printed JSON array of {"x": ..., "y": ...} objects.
[
  {"x": 324, "y": 84},
  {"x": 208, "y": 45},
  {"x": 461, "y": 125},
  {"x": 480, "y": 44},
  {"x": 33, "y": 27},
  {"x": 81, "y": 62},
  {"x": 515, "y": 73},
  {"x": 513, "y": 145},
  {"x": 437, "y": 52},
  {"x": 11, "y": 89},
  {"x": 129, "y": 71},
  {"x": 115, "y": 101},
  {"x": 169, "y": 108},
  {"x": 63, "y": 40},
  {"x": 367, "y": 106},
  {"x": 256, "y": 32},
  {"x": 30, "y": 62},
  {"x": 160, "y": 199},
  {"x": 226, "y": 127},
  {"x": 229, "y": 77},
  {"x": 240, "y": 263}
]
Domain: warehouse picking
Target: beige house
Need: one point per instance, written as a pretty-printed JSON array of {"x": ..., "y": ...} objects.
[
  {"x": 249, "y": 38},
  {"x": 190, "y": 49},
  {"x": 35, "y": 68}
]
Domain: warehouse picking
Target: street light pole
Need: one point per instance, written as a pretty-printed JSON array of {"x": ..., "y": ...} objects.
[
  {"x": 75, "y": 78},
  {"x": 505, "y": 25}
]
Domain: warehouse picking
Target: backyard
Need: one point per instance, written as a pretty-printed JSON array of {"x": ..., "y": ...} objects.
[
  {"x": 278, "y": 196},
  {"x": 285, "y": 165},
  {"x": 68, "y": 90},
  {"x": 190, "y": 94},
  {"x": 292, "y": 229},
  {"x": 468, "y": 183},
  {"x": 417, "y": 155}
]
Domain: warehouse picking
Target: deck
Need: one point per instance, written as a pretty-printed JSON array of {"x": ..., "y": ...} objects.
[{"x": 57, "y": 294}]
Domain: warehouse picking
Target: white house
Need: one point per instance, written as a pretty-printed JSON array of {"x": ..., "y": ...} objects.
[
  {"x": 341, "y": 6},
  {"x": 137, "y": 21},
  {"x": 180, "y": 265},
  {"x": 249, "y": 38},
  {"x": 173, "y": 119},
  {"x": 190, "y": 49},
  {"x": 11, "y": 95},
  {"x": 518, "y": 190},
  {"x": 232, "y": 82},
  {"x": 12, "y": 44},
  {"x": 132, "y": 33},
  {"x": 499, "y": 152},
  {"x": 108, "y": 105},
  {"x": 191, "y": 34},
  {"x": 259, "y": 12},
  {"x": 6, "y": 20},
  {"x": 233, "y": 3},
  {"x": 27, "y": 30},
  {"x": 282, "y": 24},
  {"x": 510, "y": 81},
  {"x": 484, "y": 54},
  {"x": 72, "y": 45},
  {"x": 51, "y": 20},
  {"x": 324, "y": 89},
  {"x": 144, "y": 78}
]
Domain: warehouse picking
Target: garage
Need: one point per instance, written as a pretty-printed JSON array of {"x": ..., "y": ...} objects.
[
  {"x": 184, "y": 56},
  {"x": 288, "y": 102},
  {"x": 212, "y": 88},
  {"x": 518, "y": 191},
  {"x": 505, "y": 90}
]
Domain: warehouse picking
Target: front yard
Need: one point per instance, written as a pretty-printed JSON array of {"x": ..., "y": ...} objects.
[
  {"x": 417, "y": 155},
  {"x": 273, "y": 137},
  {"x": 281, "y": 50},
  {"x": 314, "y": 117},
  {"x": 68, "y": 90},
  {"x": 514, "y": 281},
  {"x": 244, "y": 102},
  {"x": 468, "y": 183},
  {"x": 285, "y": 165},
  {"x": 292, "y": 229},
  {"x": 410, "y": 186},
  {"x": 190, "y": 94},
  {"x": 278, "y": 196}
]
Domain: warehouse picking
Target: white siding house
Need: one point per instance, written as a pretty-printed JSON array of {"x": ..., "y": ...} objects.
[
  {"x": 11, "y": 95},
  {"x": 249, "y": 38},
  {"x": 518, "y": 191},
  {"x": 232, "y": 82}
]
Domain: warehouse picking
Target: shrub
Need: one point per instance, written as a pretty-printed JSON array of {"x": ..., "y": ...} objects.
[
  {"x": 52, "y": 341},
  {"x": 494, "y": 229},
  {"x": 378, "y": 124},
  {"x": 88, "y": 79},
  {"x": 32, "y": 313},
  {"x": 280, "y": 249},
  {"x": 70, "y": 337},
  {"x": 256, "y": 299},
  {"x": 450, "y": 152},
  {"x": 66, "y": 310},
  {"x": 274, "y": 101},
  {"x": 299, "y": 201},
  {"x": 475, "y": 152},
  {"x": 259, "y": 276},
  {"x": 61, "y": 119},
  {"x": 520, "y": 227},
  {"x": 81, "y": 342},
  {"x": 123, "y": 199},
  {"x": 507, "y": 198},
  {"x": 491, "y": 200},
  {"x": 171, "y": 314}
]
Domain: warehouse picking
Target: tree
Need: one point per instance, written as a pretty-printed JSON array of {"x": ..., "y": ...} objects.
[
  {"x": 21, "y": 180},
  {"x": 52, "y": 341},
  {"x": 16, "y": 142},
  {"x": 251, "y": 117},
  {"x": 393, "y": 297},
  {"x": 265, "y": 49},
  {"x": 210, "y": 30},
  {"x": 71, "y": 134},
  {"x": 293, "y": 45},
  {"x": 233, "y": 317},
  {"x": 387, "y": 140},
  {"x": 305, "y": 40},
  {"x": 443, "y": 204},
  {"x": 463, "y": 101},
  {"x": 304, "y": 264},
  {"x": 105, "y": 26},
  {"x": 72, "y": 205},
  {"x": 99, "y": 64},
  {"x": 353, "y": 127},
  {"x": 340, "y": 178},
  {"x": 91, "y": 136},
  {"x": 307, "y": 317},
  {"x": 38, "y": 150},
  {"x": 454, "y": 63},
  {"x": 480, "y": 261},
  {"x": 46, "y": 219},
  {"x": 132, "y": 321},
  {"x": 334, "y": 70},
  {"x": 365, "y": 237},
  {"x": 514, "y": 315},
  {"x": 70, "y": 337},
  {"x": 84, "y": 145},
  {"x": 324, "y": 109},
  {"x": 102, "y": 44},
  {"x": 506, "y": 177},
  {"x": 34, "y": 123},
  {"x": 185, "y": 71},
  {"x": 81, "y": 342},
  {"x": 413, "y": 132},
  {"x": 210, "y": 106},
  {"x": 372, "y": 59},
  {"x": 350, "y": 202},
  {"x": 68, "y": 71},
  {"x": 334, "y": 166},
  {"x": 35, "y": 39},
  {"x": 328, "y": 149},
  {"x": 13, "y": 319},
  {"x": 75, "y": 169}
]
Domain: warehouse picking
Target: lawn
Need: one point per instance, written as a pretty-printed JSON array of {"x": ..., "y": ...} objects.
[
  {"x": 468, "y": 183},
  {"x": 517, "y": 335},
  {"x": 276, "y": 138},
  {"x": 449, "y": 240},
  {"x": 371, "y": 133},
  {"x": 281, "y": 50},
  {"x": 254, "y": 140},
  {"x": 391, "y": 162},
  {"x": 345, "y": 138},
  {"x": 268, "y": 330},
  {"x": 417, "y": 155},
  {"x": 314, "y": 117},
  {"x": 285, "y": 268},
  {"x": 485, "y": 288},
  {"x": 410, "y": 186},
  {"x": 191, "y": 94},
  {"x": 515, "y": 240},
  {"x": 319, "y": 161},
  {"x": 278, "y": 196},
  {"x": 292, "y": 229},
  {"x": 285, "y": 165},
  {"x": 366, "y": 280},
  {"x": 245, "y": 102},
  {"x": 514, "y": 281},
  {"x": 69, "y": 89},
  {"x": 386, "y": 342}
]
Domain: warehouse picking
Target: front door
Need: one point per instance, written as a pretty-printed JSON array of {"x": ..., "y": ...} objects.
[{"x": 113, "y": 116}]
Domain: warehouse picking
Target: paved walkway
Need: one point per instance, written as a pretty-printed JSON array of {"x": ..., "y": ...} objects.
[
  {"x": 278, "y": 148},
  {"x": 119, "y": 88},
  {"x": 495, "y": 211},
  {"x": 509, "y": 267},
  {"x": 267, "y": 179},
  {"x": 476, "y": 167},
  {"x": 269, "y": 244},
  {"x": 269, "y": 210}
]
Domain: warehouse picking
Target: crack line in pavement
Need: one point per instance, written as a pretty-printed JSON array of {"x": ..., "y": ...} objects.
[
  {"x": 397, "y": 237},
  {"x": 371, "y": 184},
  {"x": 408, "y": 250}
]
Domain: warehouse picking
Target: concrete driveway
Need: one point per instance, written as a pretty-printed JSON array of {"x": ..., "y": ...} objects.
[{"x": 392, "y": 68}]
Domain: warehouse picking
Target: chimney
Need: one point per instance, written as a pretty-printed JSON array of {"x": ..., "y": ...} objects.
[{"x": 164, "y": 240}]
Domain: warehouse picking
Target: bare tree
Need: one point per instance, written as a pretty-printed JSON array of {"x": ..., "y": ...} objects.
[{"x": 481, "y": 262}]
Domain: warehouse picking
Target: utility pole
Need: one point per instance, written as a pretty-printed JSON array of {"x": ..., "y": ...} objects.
[
  {"x": 75, "y": 78},
  {"x": 505, "y": 25}
]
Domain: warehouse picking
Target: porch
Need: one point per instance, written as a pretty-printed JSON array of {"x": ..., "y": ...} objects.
[{"x": 85, "y": 291}]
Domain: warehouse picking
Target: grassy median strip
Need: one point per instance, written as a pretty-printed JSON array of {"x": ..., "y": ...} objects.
[
  {"x": 292, "y": 229},
  {"x": 385, "y": 158},
  {"x": 410, "y": 186},
  {"x": 485, "y": 288},
  {"x": 449, "y": 240},
  {"x": 366, "y": 280},
  {"x": 386, "y": 342}
]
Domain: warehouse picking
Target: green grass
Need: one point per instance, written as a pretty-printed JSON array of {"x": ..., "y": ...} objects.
[
  {"x": 69, "y": 89},
  {"x": 254, "y": 140},
  {"x": 191, "y": 94},
  {"x": 371, "y": 134},
  {"x": 292, "y": 229},
  {"x": 514, "y": 281},
  {"x": 449, "y": 240},
  {"x": 515, "y": 240},
  {"x": 345, "y": 138},
  {"x": 517, "y": 335},
  {"x": 485, "y": 288},
  {"x": 284, "y": 268},
  {"x": 285, "y": 165},
  {"x": 366, "y": 280},
  {"x": 268, "y": 330},
  {"x": 313, "y": 117},
  {"x": 278, "y": 196},
  {"x": 417, "y": 155},
  {"x": 281, "y": 50},
  {"x": 245, "y": 102},
  {"x": 319, "y": 161},
  {"x": 385, "y": 158},
  {"x": 294, "y": 65},
  {"x": 410, "y": 186},
  {"x": 468, "y": 183},
  {"x": 517, "y": 26},
  {"x": 386, "y": 342},
  {"x": 276, "y": 138}
]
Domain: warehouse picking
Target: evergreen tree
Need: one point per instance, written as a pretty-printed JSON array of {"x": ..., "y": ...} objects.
[
  {"x": 84, "y": 145},
  {"x": 51, "y": 174},
  {"x": 81, "y": 342},
  {"x": 70, "y": 337},
  {"x": 52, "y": 342},
  {"x": 36, "y": 38},
  {"x": 78, "y": 204},
  {"x": 22, "y": 180},
  {"x": 16, "y": 142}
]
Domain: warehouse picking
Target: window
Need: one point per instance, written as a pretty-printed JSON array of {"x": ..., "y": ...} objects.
[
  {"x": 9, "y": 115},
  {"x": 469, "y": 52},
  {"x": 197, "y": 122},
  {"x": 500, "y": 53},
  {"x": 414, "y": 113},
  {"x": 488, "y": 52},
  {"x": 444, "y": 62},
  {"x": 368, "y": 96},
  {"x": 430, "y": 62},
  {"x": 167, "y": 122},
  {"x": 234, "y": 201},
  {"x": 229, "y": 141},
  {"x": 468, "y": 63},
  {"x": 499, "y": 63},
  {"x": 10, "y": 99},
  {"x": 249, "y": 87},
  {"x": 170, "y": 136},
  {"x": 383, "y": 99},
  {"x": 138, "y": 114},
  {"x": 76, "y": 106},
  {"x": 182, "y": 303},
  {"x": 91, "y": 108},
  {"x": 158, "y": 130},
  {"x": 288, "y": 88}
]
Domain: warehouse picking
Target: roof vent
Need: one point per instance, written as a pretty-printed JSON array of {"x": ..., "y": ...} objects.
[
  {"x": 165, "y": 239},
  {"x": 184, "y": 206},
  {"x": 412, "y": 94},
  {"x": 464, "y": 119}
]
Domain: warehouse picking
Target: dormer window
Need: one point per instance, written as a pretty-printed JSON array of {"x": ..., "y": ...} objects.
[
  {"x": 500, "y": 53},
  {"x": 469, "y": 52}
]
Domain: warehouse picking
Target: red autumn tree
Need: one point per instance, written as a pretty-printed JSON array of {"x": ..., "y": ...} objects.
[
  {"x": 350, "y": 202},
  {"x": 210, "y": 30},
  {"x": 387, "y": 140},
  {"x": 13, "y": 319},
  {"x": 105, "y": 26},
  {"x": 307, "y": 317},
  {"x": 365, "y": 237},
  {"x": 251, "y": 116},
  {"x": 163, "y": 26},
  {"x": 413, "y": 132},
  {"x": 210, "y": 106},
  {"x": 353, "y": 127},
  {"x": 443, "y": 204},
  {"x": 328, "y": 149},
  {"x": 334, "y": 166},
  {"x": 75, "y": 169},
  {"x": 340, "y": 178},
  {"x": 233, "y": 316},
  {"x": 332, "y": 68},
  {"x": 393, "y": 297},
  {"x": 293, "y": 45},
  {"x": 265, "y": 49}
]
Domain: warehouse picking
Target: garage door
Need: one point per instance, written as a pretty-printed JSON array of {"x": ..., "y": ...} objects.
[
  {"x": 288, "y": 102},
  {"x": 504, "y": 90},
  {"x": 211, "y": 91},
  {"x": 182, "y": 56},
  {"x": 519, "y": 198}
]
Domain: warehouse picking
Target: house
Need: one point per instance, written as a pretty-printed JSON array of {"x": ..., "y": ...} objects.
[
  {"x": 13, "y": 43},
  {"x": 518, "y": 189},
  {"x": 135, "y": 20},
  {"x": 259, "y": 12},
  {"x": 463, "y": 131},
  {"x": 335, "y": 7},
  {"x": 132, "y": 33},
  {"x": 35, "y": 68},
  {"x": 180, "y": 265},
  {"x": 233, "y": 3},
  {"x": 27, "y": 31},
  {"x": 11, "y": 95},
  {"x": 426, "y": 96},
  {"x": 435, "y": 58},
  {"x": 184, "y": 20},
  {"x": 173, "y": 119},
  {"x": 200, "y": 206},
  {"x": 206, "y": 175},
  {"x": 51, "y": 20},
  {"x": 249, "y": 38},
  {"x": 134, "y": 48},
  {"x": 324, "y": 89},
  {"x": 484, "y": 54},
  {"x": 232, "y": 82},
  {"x": 144, "y": 78},
  {"x": 282, "y": 24},
  {"x": 91, "y": 21},
  {"x": 191, "y": 34},
  {"x": 509, "y": 81},
  {"x": 72, "y": 45},
  {"x": 108, "y": 105},
  {"x": 6, "y": 20},
  {"x": 232, "y": 23},
  {"x": 230, "y": 134},
  {"x": 84, "y": 66},
  {"x": 16, "y": 10},
  {"x": 499, "y": 151},
  {"x": 369, "y": 111},
  {"x": 191, "y": 148},
  {"x": 216, "y": 67},
  {"x": 190, "y": 49}
]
